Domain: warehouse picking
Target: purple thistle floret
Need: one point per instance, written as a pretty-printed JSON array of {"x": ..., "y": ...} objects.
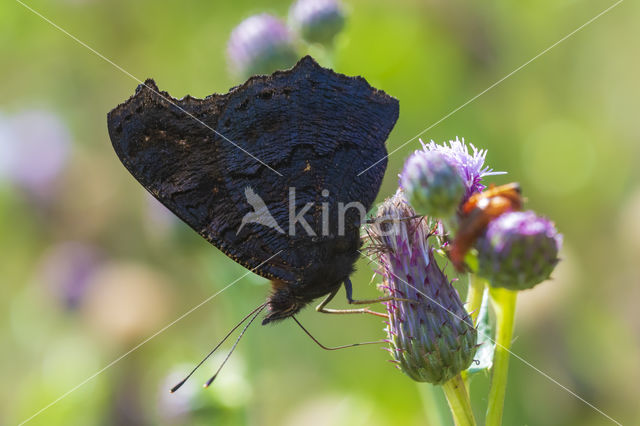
[
  {"x": 518, "y": 251},
  {"x": 431, "y": 335},
  {"x": 260, "y": 44},
  {"x": 317, "y": 21},
  {"x": 470, "y": 165}
]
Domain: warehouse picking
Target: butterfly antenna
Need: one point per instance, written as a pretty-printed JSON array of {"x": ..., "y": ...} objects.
[
  {"x": 326, "y": 348},
  {"x": 255, "y": 313},
  {"x": 183, "y": 381}
]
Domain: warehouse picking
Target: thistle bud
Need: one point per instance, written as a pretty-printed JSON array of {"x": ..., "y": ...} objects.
[
  {"x": 433, "y": 185},
  {"x": 518, "y": 250},
  {"x": 431, "y": 335},
  {"x": 260, "y": 44},
  {"x": 317, "y": 21}
]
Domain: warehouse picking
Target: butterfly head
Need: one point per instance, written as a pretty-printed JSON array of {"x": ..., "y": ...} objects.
[{"x": 283, "y": 302}]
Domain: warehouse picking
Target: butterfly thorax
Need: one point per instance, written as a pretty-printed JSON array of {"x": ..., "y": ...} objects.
[{"x": 320, "y": 278}]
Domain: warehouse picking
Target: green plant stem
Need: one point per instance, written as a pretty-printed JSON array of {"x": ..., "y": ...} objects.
[
  {"x": 459, "y": 402},
  {"x": 474, "y": 296},
  {"x": 433, "y": 412},
  {"x": 504, "y": 304}
]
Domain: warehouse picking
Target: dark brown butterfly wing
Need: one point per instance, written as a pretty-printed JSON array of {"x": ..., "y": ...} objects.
[{"x": 313, "y": 128}]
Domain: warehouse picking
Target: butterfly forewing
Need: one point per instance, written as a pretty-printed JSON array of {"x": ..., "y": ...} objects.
[{"x": 316, "y": 128}]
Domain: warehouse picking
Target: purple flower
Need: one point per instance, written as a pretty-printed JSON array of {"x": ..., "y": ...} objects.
[
  {"x": 260, "y": 44},
  {"x": 518, "y": 251},
  {"x": 35, "y": 146},
  {"x": 67, "y": 269},
  {"x": 317, "y": 21},
  {"x": 433, "y": 185},
  {"x": 470, "y": 165},
  {"x": 431, "y": 335}
]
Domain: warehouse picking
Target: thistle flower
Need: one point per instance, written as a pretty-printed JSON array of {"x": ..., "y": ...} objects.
[
  {"x": 431, "y": 335},
  {"x": 518, "y": 251},
  {"x": 35, "y": 146},
  {"x": 67, "y": 270},
  {"x": 470, "y": 165},
  {"x": 432, "y": 184},
  {"x": 260, "y": 44},
  {"x": 317, "y": 21}
]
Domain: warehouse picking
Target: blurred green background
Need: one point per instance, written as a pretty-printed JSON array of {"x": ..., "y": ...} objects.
[{"x": 90, "y": 266}]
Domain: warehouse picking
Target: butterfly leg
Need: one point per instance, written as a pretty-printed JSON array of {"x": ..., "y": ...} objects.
[
  {"x": 322, "y": 308},
  {"x": 349, "y": 290},
  {"x": 336, "y": 347}
]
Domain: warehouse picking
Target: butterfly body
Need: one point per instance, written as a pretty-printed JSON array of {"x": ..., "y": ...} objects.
[{"x": 262, "y": 171}]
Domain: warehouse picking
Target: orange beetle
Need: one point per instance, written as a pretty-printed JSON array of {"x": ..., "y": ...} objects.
[{"x": 476, "y": 214}]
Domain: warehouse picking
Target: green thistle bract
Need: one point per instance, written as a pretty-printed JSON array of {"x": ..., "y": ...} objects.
[
  {"x": 431, "y": 335},
  {"x": 433, "y": 186}
]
